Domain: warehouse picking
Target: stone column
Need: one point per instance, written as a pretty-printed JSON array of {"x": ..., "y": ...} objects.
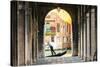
[
  {"x": 75, "y": 37},
  {"x": 28, "y": 34},
  {"x": 88, "y": 37},
  {"x": 79, "y": 33},
  {"x": 34, "y": 35},
  {"x": 82, "y": 33},
  {"x": 85, "y": 31},
  {"x": 93, "y": 34},
  {"x": 21, "y": 33}
]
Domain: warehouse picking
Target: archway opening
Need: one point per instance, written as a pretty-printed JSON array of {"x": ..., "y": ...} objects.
[{"x": 58, "y": 33}]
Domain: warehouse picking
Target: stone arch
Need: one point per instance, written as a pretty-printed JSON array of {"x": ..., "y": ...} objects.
[{"x": 58, "y": 17}]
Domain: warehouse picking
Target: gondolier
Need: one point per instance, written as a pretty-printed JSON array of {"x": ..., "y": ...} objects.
[{"x": 51, "y": 48}]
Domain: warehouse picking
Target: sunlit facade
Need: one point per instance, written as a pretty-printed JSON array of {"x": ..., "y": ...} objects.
[{"x": 58, "y": 29}]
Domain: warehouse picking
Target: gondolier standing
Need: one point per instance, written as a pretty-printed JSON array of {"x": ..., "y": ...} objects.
[{"x": 51, "y": 48}]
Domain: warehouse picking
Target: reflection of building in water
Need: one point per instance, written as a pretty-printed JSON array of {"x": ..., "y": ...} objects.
[{"x": 58, "y": 29}]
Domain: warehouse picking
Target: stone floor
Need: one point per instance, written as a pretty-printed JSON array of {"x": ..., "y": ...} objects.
[{"x": 58, "y": 60}]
